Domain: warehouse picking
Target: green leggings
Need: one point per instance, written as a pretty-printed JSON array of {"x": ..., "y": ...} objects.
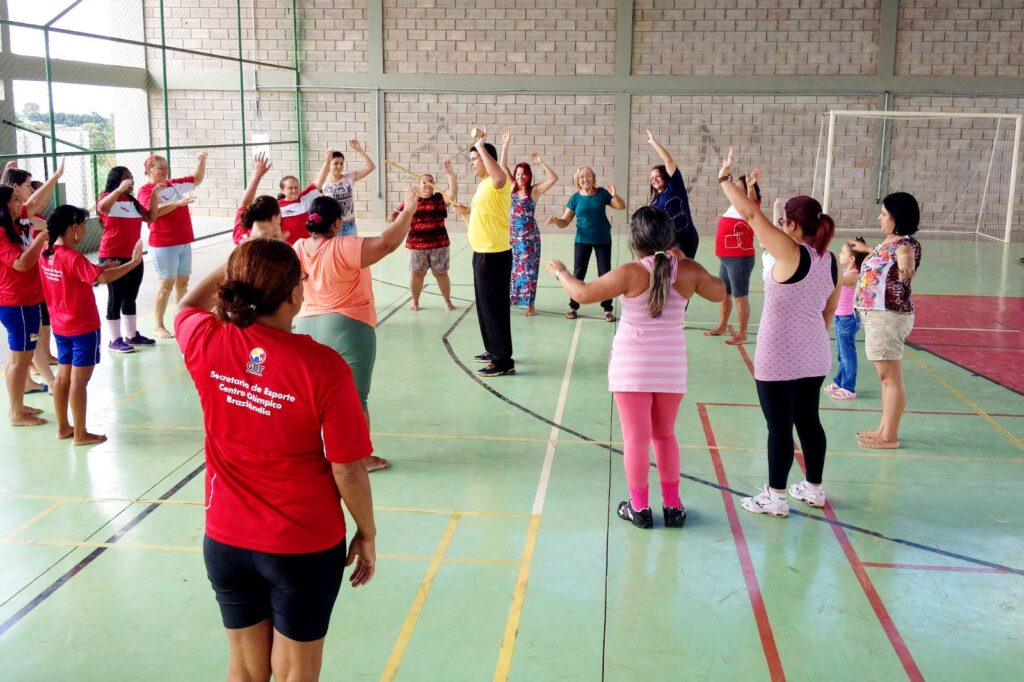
[{"x": 354, "y": 340}]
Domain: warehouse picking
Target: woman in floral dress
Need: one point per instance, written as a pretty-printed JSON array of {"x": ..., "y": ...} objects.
[{"x": 525, "y": 233}]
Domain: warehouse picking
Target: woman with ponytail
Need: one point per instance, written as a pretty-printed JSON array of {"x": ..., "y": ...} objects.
[
  {"x": 258, "y": 216},
  {"x": 285, "y": 440},
  {"x": 793, "y": 352},
  {"x": 21, "y": 291},
  {"x": 68, "y": 277},
  {"x": 647, "y": 368},
  {"x": 122, "y": 217}
]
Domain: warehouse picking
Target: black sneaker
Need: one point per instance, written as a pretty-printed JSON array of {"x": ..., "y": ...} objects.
[
  {"x": 674, "y": 518},
  {"x": 484, "y": 358},
  {"x": 492, "y": 370},
  {"x": 641, "y": 519}
]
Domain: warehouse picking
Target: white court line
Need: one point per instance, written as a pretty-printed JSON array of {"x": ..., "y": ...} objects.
[
  {"x": 549, "y": 456},
  {"x": 916, "y": 328}
]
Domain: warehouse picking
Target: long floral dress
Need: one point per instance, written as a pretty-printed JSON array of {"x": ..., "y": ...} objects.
[{"x": 525, "y": 251}]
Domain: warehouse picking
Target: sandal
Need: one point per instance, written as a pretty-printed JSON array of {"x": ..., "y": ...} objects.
[
  {"x": 609, "y": 316},
  {"x": 377, "y": 463},
  {"x": 571, "y": 315}
]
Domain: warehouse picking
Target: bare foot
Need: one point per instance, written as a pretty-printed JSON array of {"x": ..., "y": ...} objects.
[
  {"x": 737, "y": 340},
  {"x": 531, "y": 311},
  {"x": 868, "y": 434},
  {"x": 90, "y": 439},
  {"x": 162, "y": 333},
  {"x": 448, "y": 305},
  {"x": 26, "y": 420},
  {"x": 64, "y": 434},
  {"x": 33, "y": 387},
  {"x": 414, "y": 306},
  {"x": 27, "y": 411},
  {"x": 877, "y": 444},
  {"x": 717, "y": 331},
  {"x": 377, "y": 463}
]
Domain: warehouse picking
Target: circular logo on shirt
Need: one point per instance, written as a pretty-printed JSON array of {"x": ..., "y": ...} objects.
[{"x": 257, "y": 356}]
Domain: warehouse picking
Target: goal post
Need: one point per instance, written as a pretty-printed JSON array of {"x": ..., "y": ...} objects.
[{"x": 962, "y": 167}]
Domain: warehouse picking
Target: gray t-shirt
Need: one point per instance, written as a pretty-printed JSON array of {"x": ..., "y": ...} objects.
[{"x": 342, "y": 191}]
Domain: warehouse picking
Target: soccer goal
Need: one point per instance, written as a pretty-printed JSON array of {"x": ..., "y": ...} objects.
[{"x": 962, "y": 167}]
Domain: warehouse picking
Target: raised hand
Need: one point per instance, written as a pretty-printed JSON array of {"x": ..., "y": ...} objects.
[
  {"x": 479, "y": 144},
  {"x": 201, "y": 156},
  {"x": 329, "y": 154},
  {"x": 611, "y": 188},
  {"x": 412, "y": 196},
  {"x": 650, "y": 137},
  {"x": 727, "y": 163},
  {"x": 753, "y": 176},
  {"x": 535, "y": 157},
  {"x": 126, "y": 186},
  {"x": 447, "y": 164},
  {"x": 506, "y": 135},
  {"x": 263, "y": 163},
  {"x": 461, "y": 209},
  {"x": 60, "y": 169},
  {"x": 355, "y": 145}
]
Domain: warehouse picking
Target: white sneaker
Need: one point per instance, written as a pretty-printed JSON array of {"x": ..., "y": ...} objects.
[
  {"x": 831, "y": 387},
  {"x": 843, "y": 394},
  {"x": 803, "y": 491},
  {"x": 766, "y": 503}
]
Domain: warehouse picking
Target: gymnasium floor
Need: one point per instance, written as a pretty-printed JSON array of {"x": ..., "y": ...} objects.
[{"x": 500, "y": 556}]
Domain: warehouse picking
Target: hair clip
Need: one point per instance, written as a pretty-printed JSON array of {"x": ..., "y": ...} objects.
[
  {"x": 315, "y": 217},
  {"x": 659, "y": 253}
]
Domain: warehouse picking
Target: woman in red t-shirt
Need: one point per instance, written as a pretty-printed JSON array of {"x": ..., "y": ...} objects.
[
  {"x": 734, "y": 246},
  {"x": 122, "y": 217},
  {"x": 257, "y": 216},
  {"x": 285, "y": 438},
  {"x": 68, "y": 277}
]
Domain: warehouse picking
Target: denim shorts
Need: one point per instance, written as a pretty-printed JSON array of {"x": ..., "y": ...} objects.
[
  {"x": 735, "y": 271},
  {"x": 172, "y": 262}
]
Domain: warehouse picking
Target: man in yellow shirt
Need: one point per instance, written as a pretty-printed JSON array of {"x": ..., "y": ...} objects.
[{"x": 488, "y": 219}]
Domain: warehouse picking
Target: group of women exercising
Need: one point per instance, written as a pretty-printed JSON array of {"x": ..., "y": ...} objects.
[{"x": 280, "y": 343}]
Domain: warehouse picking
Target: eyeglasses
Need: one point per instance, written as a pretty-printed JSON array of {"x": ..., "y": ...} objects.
[
  {"x": 782, "y": 221},
  {"x": 303, "y": 277}
]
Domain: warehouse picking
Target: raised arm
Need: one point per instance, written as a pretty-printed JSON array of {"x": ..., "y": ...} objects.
[
  {"x": 204, "y": 294},
  {"x": 752, "y": 178},
  {"x": 106, "y": 203},
  {"x": 666, "y": 158},
  {"x": 494, "y": 171},
  {"x": 325, "y": 169},
  {"x": 375, "y": 248},
  {"x": 506, "y": 135},
  {"x": 200, "y": 172},
  {"x": 617, "y": 202},
  {"x": 705, "y": 284},
  {"x": 41, "y": 196},
  {"x": 550, "y": 177},
  {"x": 564, "y": 221},
  {"x": 368, "y": 165},
  {"x": 607, "y": 286},
  {"x": 777, "y": 242},
  {"x": 261, "y": 166},
  {"x": 452, "y": 194}
]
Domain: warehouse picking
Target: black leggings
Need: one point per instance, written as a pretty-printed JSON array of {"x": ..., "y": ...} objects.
[
  {"x": 121, "y": 293},
  {"x": 581, "y": 261},
  {"x": 787, "y": 404}
]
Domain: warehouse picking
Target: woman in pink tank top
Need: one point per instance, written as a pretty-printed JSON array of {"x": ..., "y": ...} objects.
[
  {"x": 793, "y": 352},
  {"x": 647, "y": 367}
]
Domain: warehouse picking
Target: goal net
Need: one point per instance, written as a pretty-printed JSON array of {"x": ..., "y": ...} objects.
[{"x": 961, "y": 167}]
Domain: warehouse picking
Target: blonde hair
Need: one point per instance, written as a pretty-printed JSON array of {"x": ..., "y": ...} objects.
[
  {"x": 150, "y": 160},
  {"x": 580, "y": 172}
]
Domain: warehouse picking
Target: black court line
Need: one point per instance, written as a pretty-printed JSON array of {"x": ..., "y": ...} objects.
[
  {"x": 96, "y": 553},
  {"x": 711, "y": 484}
]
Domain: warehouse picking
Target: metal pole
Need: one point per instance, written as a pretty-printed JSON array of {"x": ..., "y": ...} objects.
[
  {"x": 298, "y": 91},
  {"x": 988, "y": 176},
  {"x": 1013, "y": 180},
  {"x": 163, "y": 68},
  {"x": 883, "y": 150},
  {"x": 49, "y": 95},
  {"x": 241, "y": 90},
  {"x": 828, "y": 160},
  {"x": 95, "y": 177}
]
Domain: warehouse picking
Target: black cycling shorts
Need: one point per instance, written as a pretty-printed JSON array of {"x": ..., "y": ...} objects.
[{"x": 295, "y": 591}]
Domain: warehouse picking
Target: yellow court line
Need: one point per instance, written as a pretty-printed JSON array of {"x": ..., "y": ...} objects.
[
  {"x": 515, "y": 611},
  {"x": 450, "y": 512},
  {"x": 162, "y": 427},
  {"x": 967, "y": 401},
  {"x": 510, "y": 439},
  {"x": 135, "y": 394},
  {"x": 405, "y": 634},
  {"x": 31, "y": 521}
]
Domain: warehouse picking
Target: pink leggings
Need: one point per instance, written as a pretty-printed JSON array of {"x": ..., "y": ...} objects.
[{"x": 650, "y": 418}]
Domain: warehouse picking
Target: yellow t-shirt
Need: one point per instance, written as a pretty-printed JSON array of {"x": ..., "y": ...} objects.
[{"x": 488, "y": 219}]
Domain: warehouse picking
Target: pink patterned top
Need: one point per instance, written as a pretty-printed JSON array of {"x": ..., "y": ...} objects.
[
  {"x": 649, "y": 354},
  {"x": 792, "y": 341}
]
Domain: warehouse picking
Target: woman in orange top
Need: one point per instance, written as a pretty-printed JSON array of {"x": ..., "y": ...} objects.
[{"x": 338, "y": 308}]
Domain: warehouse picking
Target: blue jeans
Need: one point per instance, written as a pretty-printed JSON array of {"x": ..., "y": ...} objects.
[{"x": 846, "y": 350}]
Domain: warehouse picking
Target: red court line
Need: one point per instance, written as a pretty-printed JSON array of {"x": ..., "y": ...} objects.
[
  {"x": 876, "y": 411},
  {"x": 764, "y": 627},
  {"x": 743, "y": 352},
  {"x": 941, "y": 569},
  {"x": 877, "y": 605}
]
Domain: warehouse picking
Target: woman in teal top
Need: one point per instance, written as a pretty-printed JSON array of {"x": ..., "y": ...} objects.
[{"x": 593, "y": 230}]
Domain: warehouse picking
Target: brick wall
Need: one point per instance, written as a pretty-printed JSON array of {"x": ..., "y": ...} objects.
[
  {"x": 745, "y": 37},
  {"x": 525, "y": 37},
  {"x": 960, "y": 38}
]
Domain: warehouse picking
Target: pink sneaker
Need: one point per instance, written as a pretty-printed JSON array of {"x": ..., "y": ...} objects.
[
  {"x": 843, "y": 394},
  {"x": 831, "y": 387}
]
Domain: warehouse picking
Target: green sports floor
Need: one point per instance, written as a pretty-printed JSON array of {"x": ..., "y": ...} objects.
[{"x": 500, "y": 555}]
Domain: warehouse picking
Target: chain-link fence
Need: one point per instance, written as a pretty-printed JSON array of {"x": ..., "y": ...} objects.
[{"x": 103, "y": 83}]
